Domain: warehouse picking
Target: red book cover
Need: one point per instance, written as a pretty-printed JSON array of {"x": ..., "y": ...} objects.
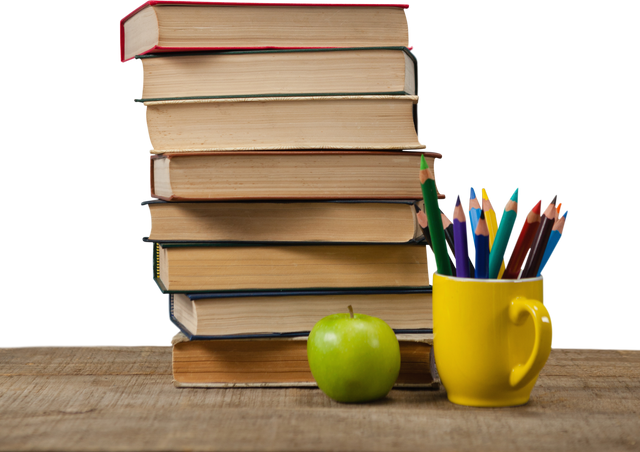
[{"x": 157, "y": 49}]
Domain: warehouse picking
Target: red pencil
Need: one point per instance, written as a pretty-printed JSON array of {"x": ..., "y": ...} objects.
[
  {"x": 549, "y": 215},
  {"x": 523, "y": 244}
]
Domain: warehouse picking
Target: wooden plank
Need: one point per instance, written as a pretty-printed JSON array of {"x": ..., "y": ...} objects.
[{"x": 119, "y": 398}]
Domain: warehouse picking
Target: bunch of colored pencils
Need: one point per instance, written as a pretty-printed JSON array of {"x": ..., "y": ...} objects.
[{"x": 537, "y": 240}]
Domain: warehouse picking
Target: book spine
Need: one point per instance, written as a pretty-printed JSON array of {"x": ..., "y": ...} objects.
[{"x": 156, "y": 267}]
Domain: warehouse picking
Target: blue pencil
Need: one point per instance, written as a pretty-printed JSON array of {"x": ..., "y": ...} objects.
[
  {"x": 482, "y": 248},
  {"x": 460, "y": 241},
  {"x": 474, "y": 212},
  {"x": 554, "y": 238}
]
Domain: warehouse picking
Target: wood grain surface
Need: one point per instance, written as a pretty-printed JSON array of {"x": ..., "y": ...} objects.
[{"x": 121, "y": 398}]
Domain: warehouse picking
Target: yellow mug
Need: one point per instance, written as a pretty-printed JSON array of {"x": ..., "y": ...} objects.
[{"x": 491, "y": 338}]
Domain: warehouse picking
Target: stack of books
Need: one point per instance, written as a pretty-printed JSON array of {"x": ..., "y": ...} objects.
[{"x": 284, "y": 189}]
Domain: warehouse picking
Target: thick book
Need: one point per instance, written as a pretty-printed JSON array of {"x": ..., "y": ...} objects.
[
  {"x": 276, "y": 313},
  {"x": 215, "y": 267},
  {"x": 278, "y": 362},
  {"x": 288, "y": 175},
  {"x": 280, "y": 123},
  {"x": 268, "y": 73},
  {"x": 278, "y": 221},
  {"x": 178, "y": 26}
]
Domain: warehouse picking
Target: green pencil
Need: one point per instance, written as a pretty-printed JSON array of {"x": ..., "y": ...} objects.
[
  {"x": 430, "y": 195},
  {"x": 502, "y": 236}
]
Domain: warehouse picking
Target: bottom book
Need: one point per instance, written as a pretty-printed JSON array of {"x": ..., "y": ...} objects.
[{"x": 278, "y": 362}]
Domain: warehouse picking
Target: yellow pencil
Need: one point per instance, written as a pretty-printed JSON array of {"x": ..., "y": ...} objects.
[{"x": 490, "y": 213}]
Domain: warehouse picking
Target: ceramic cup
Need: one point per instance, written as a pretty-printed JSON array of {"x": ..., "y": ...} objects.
[{"x": 491, "y": 338}]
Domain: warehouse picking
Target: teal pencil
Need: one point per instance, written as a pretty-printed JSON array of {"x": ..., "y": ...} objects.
[
  {"x": 430, "y": 195},
  {"x": 502, "y": 236}
]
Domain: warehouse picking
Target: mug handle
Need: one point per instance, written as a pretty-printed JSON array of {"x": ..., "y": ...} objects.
[{"x": 520, "y": 307}]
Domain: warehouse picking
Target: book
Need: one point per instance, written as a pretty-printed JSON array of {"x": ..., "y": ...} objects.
[
  {"x": 278, "y": 362},
  {"x": 287, "y": 175},
  {"x": 274, "y": 313},
  {"x": 277, "y": 221},
  {"x": 214, "y": 267},
  {"x": 280, "y": 123},
  {"x": 267, "y": 73},
  {"x": 166, "y": 26}
]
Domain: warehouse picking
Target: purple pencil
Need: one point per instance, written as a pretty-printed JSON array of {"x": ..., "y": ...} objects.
[{"x": 460, "y": 241}]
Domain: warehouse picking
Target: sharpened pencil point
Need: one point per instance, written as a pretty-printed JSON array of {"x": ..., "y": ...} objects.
[
  {"x": 457, "y": 200},
  {"x": 516, "y": 193},
  {"x": 484, "y": 194},
  {"x": 554, "y": 200},
  {"x": 423, "y": 163},
  {"x": 565, "y": 215},
  {"x": 472, "y": 192},
  {"x": 415, "y": 206},
  {"x": 482, "y": 215},
  {"x": 537, "y": 206}
]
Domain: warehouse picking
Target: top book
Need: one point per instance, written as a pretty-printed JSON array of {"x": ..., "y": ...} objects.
[{"x": 179, "y": 26}]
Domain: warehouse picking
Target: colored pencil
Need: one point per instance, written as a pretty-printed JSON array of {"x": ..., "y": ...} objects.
[
  {"x": 523, "y": 244},
  {"x": 559, "y": 205},
  {"x": 448, "y": 236},
  {"x": 474, "y": 211},
  {"x": 540, "y": 241},
  {"x": 482, "y": 248},
  {"x": 472, "y": 265},
  {"x": 430, "y": 195},
  {"x": 460, "y": 234},
  {"x": 502, "y": 236},
  {"x": 490, "y": 213},
  {"x": 554, "y": 238},
  {"x": 424, "y": 224},
  {"x": 447, "y": 226}
]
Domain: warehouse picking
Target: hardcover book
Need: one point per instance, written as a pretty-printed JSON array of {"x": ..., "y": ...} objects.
[
  {"x": 280, "y": 221},
  {"x": 276, "y": 313},
  {"x": 280, "y": 123},
  {"x": 269, "y": 73},
  {"x": 214, "y": 267},
  {"x": 177, "y": 26},
  {"x": 278, "y": 362},
  {"x": 288, "y": 175}
]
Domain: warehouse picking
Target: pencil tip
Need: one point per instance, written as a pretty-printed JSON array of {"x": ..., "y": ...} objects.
[
  {"x": 473, "y": 194},
  {"x": 516, "y": 193},
  {"x": 554, "y": 200},
  {"x": 484, "y": 194},
  {"x": 538, "y": 205},
  {"x": 482, "y": 215},
  {"x": 457, "y": 200},
  {"x": 423, "y": 163},
  {"x": 565, "y": 215},
  {"x": 415, "y": 206}
]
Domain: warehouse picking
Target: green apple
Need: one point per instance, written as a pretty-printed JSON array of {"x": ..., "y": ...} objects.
[{"x": 353, "y": 358}]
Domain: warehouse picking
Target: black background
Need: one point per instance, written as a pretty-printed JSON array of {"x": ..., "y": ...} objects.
[{"x": 497, "y": 99}]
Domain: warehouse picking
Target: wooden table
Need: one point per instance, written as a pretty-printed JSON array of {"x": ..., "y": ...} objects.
[{"x": 121, "y": 398}]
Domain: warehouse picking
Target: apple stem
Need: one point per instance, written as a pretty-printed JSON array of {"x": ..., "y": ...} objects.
[{"x": 350, "y": 311}]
